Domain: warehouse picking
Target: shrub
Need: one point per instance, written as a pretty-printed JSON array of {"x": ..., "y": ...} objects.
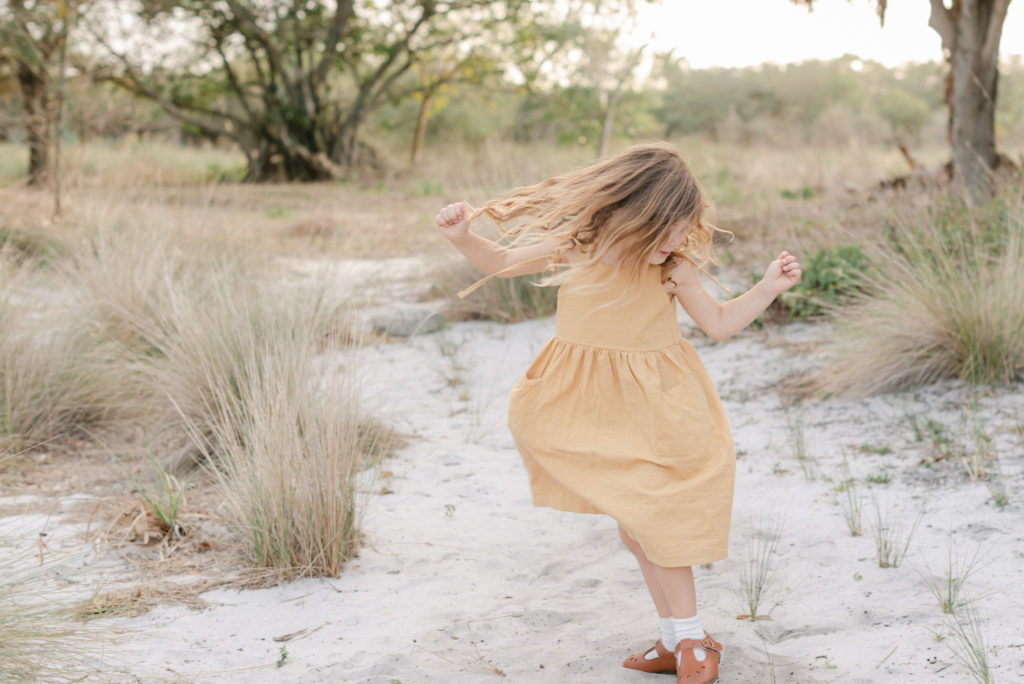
[
  {"x": 944, "y": 299},
  {"x": 507, "y": 300},
  {"x": 58, "y": 377},
  {"x": 830, "y": 277}
]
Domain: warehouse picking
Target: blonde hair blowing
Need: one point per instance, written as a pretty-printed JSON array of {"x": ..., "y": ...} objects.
[{"x": 630, "y": 200}]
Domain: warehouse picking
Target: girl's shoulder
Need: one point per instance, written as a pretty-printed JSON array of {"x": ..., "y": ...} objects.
[{"x": 678, "y": 271}]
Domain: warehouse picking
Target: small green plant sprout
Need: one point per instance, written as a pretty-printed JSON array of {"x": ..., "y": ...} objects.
[
  {"x": 969, "y": 645},
  {"x": 803, "y": 192},
  {"x": 828, "y": 664},
  {"x": 282, "y": 656},
  {"x": 454, "y": 372},
  {"x": 880, "y": 449},
  {"x": 979, "y": 461},
  {"x": 164, "y": 498},
  {"x": 982, "y": 462},
  {"x": 997, "y": 487},
  {"x": 915, "y": 426},
  {"x": 449, "y": 510},
  {"x": 942, "y": 443},
  {"x": 880, "y": 477},
  {"x": 892, "y": 540},
  {"x": 757, "y": 574},
  {"x": 948, "y": 587},
  {"x": 851, "y": 501},
  {"x": 799, "y": 444}
]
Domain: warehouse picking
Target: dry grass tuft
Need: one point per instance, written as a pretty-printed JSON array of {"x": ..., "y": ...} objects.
[
  {"x": 164, "y": 329},
  {"x": 58, "y": 376},
  {"x": 40, "y": 641},
  {"x": 944, "y": 299},
  {"x": 240, "y": 369},
  {"x": 140, "y": 599},
  {"x": 288, "y": 448},
  {"x": 506, "y": 300}
]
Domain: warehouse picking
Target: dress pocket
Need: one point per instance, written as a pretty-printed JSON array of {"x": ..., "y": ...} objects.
[
  {"x": 523, "y": 403},
  {"x": 682, "y": 425}
]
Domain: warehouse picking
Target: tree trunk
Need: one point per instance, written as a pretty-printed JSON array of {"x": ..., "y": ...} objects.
[
  {"x": 609, "y": 120},
  {"x": 280, "y": 158},
  {"x": 62, "y": 83},
  {"x": 36, "y": 104},
  {"x": 975, "y": 79},
  {"x": 421, "y": 127},
  {"x": 970, "y": 33}
]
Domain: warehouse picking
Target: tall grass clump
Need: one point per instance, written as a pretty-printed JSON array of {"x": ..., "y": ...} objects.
[
  {"x": 506, "y": 300},
  {"x": 58, "y": 376},
  {"x": 39, "y": 639},
  {"x": 229, "y": 370},
  {"x": 282, "y": 430},
  {"x": 131, "y": 278},
  {"x": 944, "y": 298}
]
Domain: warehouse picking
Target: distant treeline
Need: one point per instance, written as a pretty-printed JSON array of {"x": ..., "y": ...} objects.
[
  {"x": 809, "y": 102},
  {"x": 819, "y": 102}
]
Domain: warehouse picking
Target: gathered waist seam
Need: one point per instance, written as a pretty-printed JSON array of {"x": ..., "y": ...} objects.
[{"x": 616, "y": 349}]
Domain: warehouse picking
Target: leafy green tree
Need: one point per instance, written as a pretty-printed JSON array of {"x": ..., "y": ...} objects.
[
  {"x": 291, "y": 83},
  {"x": 970, "y": 32},
  {"x": 694, "y": 100},
  {"x": 905, "y": 113},
  {"x": 32, "y": 33},
  {"x": 573, "y": 49}
]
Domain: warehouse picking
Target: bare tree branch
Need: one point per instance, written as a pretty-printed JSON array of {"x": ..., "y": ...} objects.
[
  {"x": 218, "y": 44},
  {"x": 942, "y": 21},
  {"x": 337, "y": 27},
  {"x": 990, "y": 48}
]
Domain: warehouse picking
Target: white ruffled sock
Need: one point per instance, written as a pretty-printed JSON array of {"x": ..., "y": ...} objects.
[
  {"x": 687, "y": 628},
  {"x": 668, "y": 636}
]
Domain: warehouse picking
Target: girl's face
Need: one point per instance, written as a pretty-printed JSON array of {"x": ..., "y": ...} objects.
[{"x": 675, "y": 238}]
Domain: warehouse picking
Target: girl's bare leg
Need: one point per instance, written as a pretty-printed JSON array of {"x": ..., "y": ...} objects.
[
  {"x": 677, "y": 587},
  {"x": 648, "y": 569}
]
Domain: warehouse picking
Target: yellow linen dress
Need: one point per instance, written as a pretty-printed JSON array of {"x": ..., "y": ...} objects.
[{"x": 617, "y": 415}]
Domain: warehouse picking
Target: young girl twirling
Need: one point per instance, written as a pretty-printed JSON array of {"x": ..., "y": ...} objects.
[{"x": 616, "y": 414}]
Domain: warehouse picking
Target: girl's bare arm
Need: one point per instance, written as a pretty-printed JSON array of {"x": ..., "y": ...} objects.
[
  {"x": 723, "y": 320},
  {"x": 487, "y": 255}
]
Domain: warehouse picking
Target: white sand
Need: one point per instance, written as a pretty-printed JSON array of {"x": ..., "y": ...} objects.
[{"x": 462, "y": 579}]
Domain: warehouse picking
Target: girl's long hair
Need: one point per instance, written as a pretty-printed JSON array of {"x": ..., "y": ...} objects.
[{"x": 632, "y": 200}]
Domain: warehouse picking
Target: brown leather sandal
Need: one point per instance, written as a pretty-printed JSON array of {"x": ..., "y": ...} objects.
[
  {"x": 665, "y": 663},
  {"x": 689, "y": 670}
]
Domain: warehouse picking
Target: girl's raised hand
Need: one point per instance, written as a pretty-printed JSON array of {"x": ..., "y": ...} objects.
[
  {"x": 453, "y": 220},
  {"x": 783, "y": 273}
]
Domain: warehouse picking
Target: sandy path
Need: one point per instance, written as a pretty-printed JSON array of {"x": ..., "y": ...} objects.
[{"x": 461, "y": 579}]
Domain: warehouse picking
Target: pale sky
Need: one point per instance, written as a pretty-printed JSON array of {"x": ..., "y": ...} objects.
[{"x": 735, "y": 33}]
